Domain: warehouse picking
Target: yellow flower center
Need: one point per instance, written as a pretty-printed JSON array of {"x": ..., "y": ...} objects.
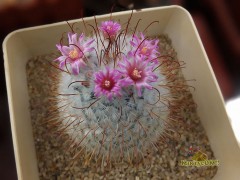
[
  {"x": 136, "y": 73},
  {"x": 144, "y": 50},
  {"x": 73, "y": 54}
]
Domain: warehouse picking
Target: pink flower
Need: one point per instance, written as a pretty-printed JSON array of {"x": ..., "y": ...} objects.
[
  {"x": 75, "y": 53},
  {"x": 137, "y": 72},
  {"x": 110, "y": 28},
  {"x": 146, "y": 48},
  {"x": 107, "y": 83}
]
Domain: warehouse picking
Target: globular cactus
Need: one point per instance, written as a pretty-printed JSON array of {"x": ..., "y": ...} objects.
[{"x": 114, "y": 98}]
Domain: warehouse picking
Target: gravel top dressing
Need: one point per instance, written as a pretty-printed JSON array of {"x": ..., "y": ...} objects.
[{"x": 187, "y": 142}]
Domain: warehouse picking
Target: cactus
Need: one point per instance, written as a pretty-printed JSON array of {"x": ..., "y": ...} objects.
[{"x": 114, "y": 93}]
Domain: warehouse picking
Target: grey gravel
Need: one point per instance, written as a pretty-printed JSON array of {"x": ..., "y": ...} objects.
[{"x": 54, "y": 160}]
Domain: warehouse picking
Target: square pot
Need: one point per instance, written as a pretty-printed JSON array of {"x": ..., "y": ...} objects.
[{"x": 21, "y": 45}]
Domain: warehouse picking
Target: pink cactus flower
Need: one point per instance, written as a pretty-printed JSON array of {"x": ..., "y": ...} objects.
[
  {"x": 75, "y": 53},
  {"x": 110, "y": 29},
  {"x": 137, "y": 72},
  {"x": 107, "y": 83},
  {"x": 145, "y": 47}
]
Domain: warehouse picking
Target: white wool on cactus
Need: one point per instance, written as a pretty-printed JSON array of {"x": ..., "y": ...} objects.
[{"x": 116, "y": 105}]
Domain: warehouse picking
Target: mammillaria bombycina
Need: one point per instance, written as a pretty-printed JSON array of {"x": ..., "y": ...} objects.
[{"x": 115, "y": 93}]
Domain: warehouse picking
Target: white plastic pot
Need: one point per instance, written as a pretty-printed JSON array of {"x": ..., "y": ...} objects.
[{"x": 21, "y": 45}]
